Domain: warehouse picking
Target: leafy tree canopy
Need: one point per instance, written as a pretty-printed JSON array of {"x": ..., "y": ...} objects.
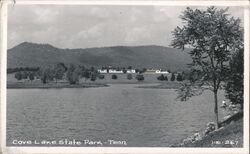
[{"x": 213, "y": 36}]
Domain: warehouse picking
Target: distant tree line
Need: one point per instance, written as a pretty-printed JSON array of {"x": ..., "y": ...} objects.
[
  {"x": 72, "y": 73},
  {"x": 18, "y": 69},
  {"x": 25, "y": 75}
]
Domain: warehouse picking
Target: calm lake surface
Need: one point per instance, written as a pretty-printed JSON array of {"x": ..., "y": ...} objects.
[{"x": 122, "y": 112}]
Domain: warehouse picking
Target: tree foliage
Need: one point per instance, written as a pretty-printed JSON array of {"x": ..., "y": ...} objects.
[
  {"x": 46, "y": 75},
  {"x": 166, "y": 78},
  {"x": 59, "y": 71},
  {"x": 129, "y": 77},
  {"x": 172, "y": 77},
  {"x": 139, "y": 77},
  {"x": 18, "y": 75},
  {"x": 234, "y": 84},
  {"x": 31, "y": 76},
  {"x": 179, "y": 77},
  {"x": 24, "y": 75},
  {"x": 212, "y": 36},
  {"x": 162, "y": 78},
  {"x": 73, "y": 74},
  {"x": 93, "y": 77},
  {"x": 114, "y": 76},
  {"x": 19, "y": 69}
]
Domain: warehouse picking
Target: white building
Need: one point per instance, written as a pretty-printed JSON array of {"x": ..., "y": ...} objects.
[
  {"x": 131, "y": 71},
  {"x": 161, "y": 72},
  {"x": 115, "y": 71},
  {"x": 150, "y": 71},
  {"x": 103, "y": 71}
]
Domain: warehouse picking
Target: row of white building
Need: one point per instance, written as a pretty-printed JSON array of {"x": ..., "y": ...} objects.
[
  {"x": 115, "y": 71},
  {"x": 132, "y": 71}
]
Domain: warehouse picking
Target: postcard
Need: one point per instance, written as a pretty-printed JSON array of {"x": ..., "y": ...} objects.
[{"x": 124, "y": 77}]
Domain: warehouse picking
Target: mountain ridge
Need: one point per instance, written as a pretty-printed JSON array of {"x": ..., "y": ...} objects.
[{"x": 29, "y": 54}]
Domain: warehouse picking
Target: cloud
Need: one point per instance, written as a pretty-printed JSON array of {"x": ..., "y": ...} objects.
[
  {"x": 72, "y": 26},
  {"x": 137, "y": 34},
  {"x": 92, "y": 32},
  {"x": 45, "y": 15}
]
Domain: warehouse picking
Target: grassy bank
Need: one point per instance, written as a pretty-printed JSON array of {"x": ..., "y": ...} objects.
[
  {"x": 83, "y": 83},
  {"x": 164, "y": 85},
  {"x": 230, "y": 135},
  {"x": 121, "y": 79},
  {"x": 16, "y": 85},
  {"x": 53, "y": 85}
]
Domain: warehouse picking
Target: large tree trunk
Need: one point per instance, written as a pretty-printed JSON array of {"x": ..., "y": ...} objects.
[{"x": 216, "y": 109}]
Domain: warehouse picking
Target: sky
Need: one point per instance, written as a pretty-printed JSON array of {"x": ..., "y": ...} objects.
[{"x": 69, "y": 26}]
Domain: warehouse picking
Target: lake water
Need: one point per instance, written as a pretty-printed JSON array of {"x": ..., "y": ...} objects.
[{"x": 141, "y": 117}]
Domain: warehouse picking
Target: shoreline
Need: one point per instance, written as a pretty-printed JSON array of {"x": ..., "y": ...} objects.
[
  {"x": 146, "y": 85},
  {"x": 55, "y": 86}
]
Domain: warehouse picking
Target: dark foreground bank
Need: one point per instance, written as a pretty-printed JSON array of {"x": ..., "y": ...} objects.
[{"x": 230, "y": 135}]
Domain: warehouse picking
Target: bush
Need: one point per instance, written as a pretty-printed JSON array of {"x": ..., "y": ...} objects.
[
  {"x": 166, "y": 78},
  {"x": 72, "y": 74},
  {"x": 101, "y": 76},
  {"x": 114, "y": 77},
  {"x": 161, "y": 77},
  {"x": 18, "y": 76},
  {"x": 179, "y": 77},
  {"x": 31, "y": 76},
  {"x": 210, "y": 128},
  {"x": 24, "y": 75},
  {"x": 140, "y": 77},
  {"x": 129, "y": 77},
  {"x": 93, "y": 77},
  {"x": 193, "y": 138},
  {"x": 172, "y": 77}
]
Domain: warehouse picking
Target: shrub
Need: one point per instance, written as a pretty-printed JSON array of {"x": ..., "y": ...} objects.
[
  {"x": 114, "y": 77},
  {"x": 172, "y": 77},
  {"x": 24, "y": 75},
  {"x": 210, "y": 128},
  {"x": 129, "y": 77},
  {"x": 18, "y": 76},
  {"x": 31, "y": 76},
  {"x": 93, "y": 77},
  {"x": 140, "y": 77},
  {"x": 72, "y": 74},
  {"x": 166, "y": 78},
  {"x": 179, "y": 77},
  {"x": 161, "y": 77}
]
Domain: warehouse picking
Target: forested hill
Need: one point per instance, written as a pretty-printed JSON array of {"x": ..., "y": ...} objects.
[{"x": 41, "y": 55}]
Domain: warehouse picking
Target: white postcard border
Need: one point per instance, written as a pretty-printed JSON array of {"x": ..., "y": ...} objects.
[{"x": 122, "y": 150}]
